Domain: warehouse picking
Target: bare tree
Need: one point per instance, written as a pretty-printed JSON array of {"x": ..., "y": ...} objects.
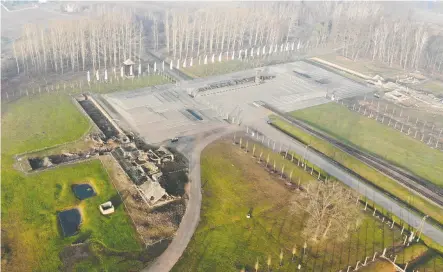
[
  {"x": 331, "y": 209},
  {"x": 78, "y": 44}
]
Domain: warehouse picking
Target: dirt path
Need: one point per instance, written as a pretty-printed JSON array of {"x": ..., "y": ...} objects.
[{"x": 191, "y": 218}]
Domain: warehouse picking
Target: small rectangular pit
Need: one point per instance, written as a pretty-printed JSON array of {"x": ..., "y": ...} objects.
[
  {"x": 302, "y": 74},
  {"x": 83, "y": 191},
  {"x": 193, "y": 113},
  {"x": 70, "y": 221}
]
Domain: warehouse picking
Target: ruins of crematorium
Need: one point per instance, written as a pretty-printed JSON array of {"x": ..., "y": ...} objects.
[
  {"x": 144, "y": 168},
  {"x": 142, "y": 163}
]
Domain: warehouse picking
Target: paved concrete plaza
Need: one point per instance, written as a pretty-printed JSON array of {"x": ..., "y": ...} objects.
[
  {"x": 162, "y": 113},
  {"x": 167, "y": 111}
]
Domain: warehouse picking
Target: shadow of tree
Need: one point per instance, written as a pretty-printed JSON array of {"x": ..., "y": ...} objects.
[{"x": 117, "y": 200}]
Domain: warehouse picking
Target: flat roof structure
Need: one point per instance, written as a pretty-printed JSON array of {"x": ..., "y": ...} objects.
[{"x": 167, "y": 111}]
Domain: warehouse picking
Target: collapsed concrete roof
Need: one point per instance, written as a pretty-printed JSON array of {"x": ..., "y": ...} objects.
[{"x": 152, "y": 191}]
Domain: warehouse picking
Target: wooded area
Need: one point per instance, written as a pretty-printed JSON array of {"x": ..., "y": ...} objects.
[
  {"x": 100, "y": 42},
  {"x": 360, "y": 29},
  {"x": 357, "y": 29}
]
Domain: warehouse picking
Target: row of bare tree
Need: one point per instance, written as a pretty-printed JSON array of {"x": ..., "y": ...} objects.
[
  {"x": 359, "y": 29},
  {"x": 100, "y": 42},
  {"x": 388, "y": 40},
  {"x": 220, "y": 29},
  {"x": 366, "y": 30}
]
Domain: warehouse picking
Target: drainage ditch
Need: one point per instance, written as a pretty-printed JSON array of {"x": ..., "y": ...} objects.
[{"x": 99, "y": 119}]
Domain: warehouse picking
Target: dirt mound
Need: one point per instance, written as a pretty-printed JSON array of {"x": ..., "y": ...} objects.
[{"x": 73, "y": 254}]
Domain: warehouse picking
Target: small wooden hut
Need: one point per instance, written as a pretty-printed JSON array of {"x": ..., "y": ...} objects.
[{"x": 128, "y": 68}]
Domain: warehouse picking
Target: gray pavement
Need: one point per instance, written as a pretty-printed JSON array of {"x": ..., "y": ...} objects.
[{"x": 162, "y": 112}]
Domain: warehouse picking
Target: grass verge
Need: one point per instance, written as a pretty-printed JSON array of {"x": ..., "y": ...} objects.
[
  {"x": 433, "y": 264},
  {"x": 361, "y": 169},
  {"x": 433, "y": 86},
  {"x": 127, "y": 84},
  {"x": 225, "y": 240},
  {"x": 373, "y": 137},
  {"x": 217, "y": 68}
]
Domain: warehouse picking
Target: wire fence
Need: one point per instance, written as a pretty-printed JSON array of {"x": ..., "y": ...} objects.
[
  {"x": 380, "y": 236},
  {"x": 94, "y": 85},
  {"x": 420, "y": 129}
]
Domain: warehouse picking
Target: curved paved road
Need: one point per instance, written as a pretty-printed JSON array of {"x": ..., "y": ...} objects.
[{"x": 190, "y": 220}]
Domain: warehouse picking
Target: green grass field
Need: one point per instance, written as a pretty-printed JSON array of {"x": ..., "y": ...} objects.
[
  {"x": 433, "y": 86},
  {"x": 367, "y": 67},
  {"x": 433, "y": 264},
  {"x": 410, "y": 253},
  {"x": 127, "y": 84},
  {"x": 80, "y": 86},
  {"x": 362, "y": 169},
  {"x": 225, "y": 240},
  {"x": 217, "y": 68},
  {"x": 30, "y": 230},
  {"x": 379, "y": 266},
  {"x": 42, "y": 121},
  {"x": 269, "y": 157},
  {"x": 378, "y": 139}
]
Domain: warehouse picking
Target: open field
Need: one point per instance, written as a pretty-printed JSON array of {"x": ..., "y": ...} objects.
[
  {"x": 42, "y": 121},
  {"x": 31, "y": 236},
  {"x": 217, "y": 68},
  {"x": 80, "y": 85},
  {"x": 432, "y": 262},
  {"x": 128, "y": 84},
  {"x": 230, "y": 66},
  {"x": 161, "y": 112},
  {"x": 433, "y": 86},
  {"x": 411, "y": 253},
  {"x": 366, "y": 67},
  {"x": 372, "y": 68},
  {"x": 416, "y": 117},
  {"x": 226, "y": 240},
  {"x": 362, "y": 169},
  {"x": 379, "y": 266},
  {"x": 375, "y": 138}
]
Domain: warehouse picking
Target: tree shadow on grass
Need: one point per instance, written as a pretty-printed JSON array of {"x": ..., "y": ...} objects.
[
  {"x": 83, "y": 237},
  {"x": 117, "y": 199}
]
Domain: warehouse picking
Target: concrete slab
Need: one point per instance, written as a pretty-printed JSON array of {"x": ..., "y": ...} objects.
[{"x": 160, "y": 113}]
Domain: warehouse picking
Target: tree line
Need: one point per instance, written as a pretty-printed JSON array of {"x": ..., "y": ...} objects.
[
  {"x": 100, "y": 42},
  {"x": 357, "y": 29},
  {"x": 368, "y": 32},
  {"x": 220, "y": 29}
]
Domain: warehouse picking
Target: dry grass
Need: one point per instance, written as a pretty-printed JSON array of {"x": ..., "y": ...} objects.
[
  {"x": 152, "y": 224},
  {"x": 233, "y": 183},
  {"x": 379, "y": 266}
]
